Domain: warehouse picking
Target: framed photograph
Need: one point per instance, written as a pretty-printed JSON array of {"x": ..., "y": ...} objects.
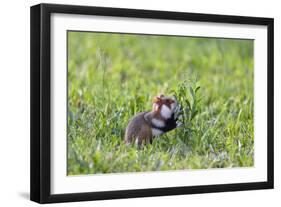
[{"x": 133, "y": 103}]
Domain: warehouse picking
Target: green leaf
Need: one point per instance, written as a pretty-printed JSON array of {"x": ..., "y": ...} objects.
[{"x": 192, "y": 92}]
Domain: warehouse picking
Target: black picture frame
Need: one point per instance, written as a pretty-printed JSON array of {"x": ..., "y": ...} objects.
[{"x": 41, "y": 99}]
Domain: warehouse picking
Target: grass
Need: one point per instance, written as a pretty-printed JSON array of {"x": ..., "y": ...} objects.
[{"x": 111, "y": 77}]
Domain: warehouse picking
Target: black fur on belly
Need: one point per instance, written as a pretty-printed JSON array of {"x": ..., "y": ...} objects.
[{"x": 170, "y": 124}]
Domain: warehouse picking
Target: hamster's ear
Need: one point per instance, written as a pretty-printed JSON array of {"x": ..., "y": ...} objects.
[
  {"x": 156, "y": 103},
  {"x": 156, "y": 99},
  {"x": 161, "y": 95}
]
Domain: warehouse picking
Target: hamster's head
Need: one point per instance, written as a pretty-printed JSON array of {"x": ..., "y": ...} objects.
[{"x": 165, "y": 105}]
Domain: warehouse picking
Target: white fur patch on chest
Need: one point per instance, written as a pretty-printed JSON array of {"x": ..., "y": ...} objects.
[
  {"x": 156, "y": 132},
  {"x": 166, "y": 112},
  {"x": 158, "y": 123}
]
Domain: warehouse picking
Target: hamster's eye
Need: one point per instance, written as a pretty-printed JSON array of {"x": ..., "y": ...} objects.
[{"x": 171, "y": 101}]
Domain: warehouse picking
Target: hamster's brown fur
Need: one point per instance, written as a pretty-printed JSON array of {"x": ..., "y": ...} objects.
[{"x": 138, "y": 130}]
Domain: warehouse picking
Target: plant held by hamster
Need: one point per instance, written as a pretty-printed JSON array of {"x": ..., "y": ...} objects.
[{"x": 188, "y": 95}]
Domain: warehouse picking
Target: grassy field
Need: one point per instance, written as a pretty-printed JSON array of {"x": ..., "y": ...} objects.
[{"x": 111, "y": 77}]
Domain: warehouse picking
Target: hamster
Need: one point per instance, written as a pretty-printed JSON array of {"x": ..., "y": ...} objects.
[{"x": 143, "y": 127}]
